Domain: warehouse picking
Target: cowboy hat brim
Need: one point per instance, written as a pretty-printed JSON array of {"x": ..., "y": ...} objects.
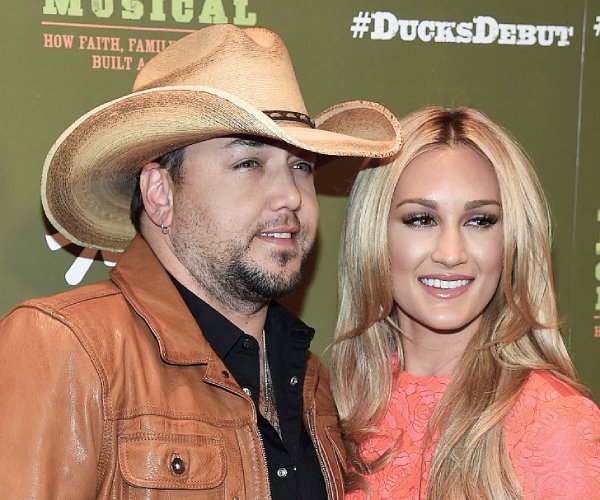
[{"x": 90, "y": 172}]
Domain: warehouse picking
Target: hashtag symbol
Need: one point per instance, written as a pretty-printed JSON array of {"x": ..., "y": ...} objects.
[
  {"x": 360, "y": 24},
  {"x": 596, "y": 26}
]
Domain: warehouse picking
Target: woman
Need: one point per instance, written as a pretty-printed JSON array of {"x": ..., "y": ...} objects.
[{"x": 448, "y": 368}]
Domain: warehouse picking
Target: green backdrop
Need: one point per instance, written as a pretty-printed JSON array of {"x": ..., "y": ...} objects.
[{"x": 533, "y": 66}]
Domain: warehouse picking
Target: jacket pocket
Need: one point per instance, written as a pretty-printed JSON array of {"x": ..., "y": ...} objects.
[{"x": 172, "y": 461}]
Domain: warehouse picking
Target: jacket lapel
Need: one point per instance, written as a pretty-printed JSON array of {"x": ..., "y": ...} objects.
[{"x": 147, "y": 287}]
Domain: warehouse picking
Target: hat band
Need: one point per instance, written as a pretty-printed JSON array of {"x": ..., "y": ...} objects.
[{"x": 290, "y": 116}]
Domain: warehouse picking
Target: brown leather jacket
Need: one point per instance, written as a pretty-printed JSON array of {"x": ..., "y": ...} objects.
[{"x": 106, "y": 389}]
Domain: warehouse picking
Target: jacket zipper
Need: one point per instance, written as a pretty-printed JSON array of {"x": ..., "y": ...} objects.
[
  {"x": 318, "y": 449},
  {"x": 264, "y": 457},
  {"x": 262, "y": 444}
]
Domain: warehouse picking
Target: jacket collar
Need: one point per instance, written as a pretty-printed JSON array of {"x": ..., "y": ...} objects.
[{"x": 147, "y": 287}]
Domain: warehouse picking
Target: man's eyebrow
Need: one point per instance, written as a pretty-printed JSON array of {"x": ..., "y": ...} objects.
[
  {"x": 469, "y": 205},
  {"x": 244, "y": 141}
]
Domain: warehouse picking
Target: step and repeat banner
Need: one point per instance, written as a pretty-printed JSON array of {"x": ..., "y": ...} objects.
[{"x": 534, "y": 67}]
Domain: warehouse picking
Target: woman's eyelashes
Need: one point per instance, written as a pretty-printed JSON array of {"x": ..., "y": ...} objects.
[
  {"x": 418, "y": 219},
  {"x": 483, "y": 220},
  {"x": 425, "y": 219}
]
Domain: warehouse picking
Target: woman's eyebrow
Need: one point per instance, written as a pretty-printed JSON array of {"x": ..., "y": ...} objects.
[
  {"x": 426, "y": 202},
  {"x": 470, "y": 205}
]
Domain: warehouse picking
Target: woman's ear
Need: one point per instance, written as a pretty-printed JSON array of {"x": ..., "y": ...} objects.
[{"x": 156, "y": 187}]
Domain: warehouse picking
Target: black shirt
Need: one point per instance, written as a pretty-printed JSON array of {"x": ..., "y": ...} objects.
[{"x": 294, "y": 469}]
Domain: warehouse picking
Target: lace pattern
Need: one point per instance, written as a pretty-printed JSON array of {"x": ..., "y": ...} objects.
[{"x": 552, "y": 435}]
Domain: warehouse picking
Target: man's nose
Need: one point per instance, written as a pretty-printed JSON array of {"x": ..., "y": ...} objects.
[{"x": 283, "y": 191}]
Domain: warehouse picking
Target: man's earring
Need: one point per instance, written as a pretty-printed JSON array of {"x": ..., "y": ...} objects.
[{"x": 164, "y": 229}]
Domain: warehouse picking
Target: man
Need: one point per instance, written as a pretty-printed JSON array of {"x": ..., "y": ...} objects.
[{"x": 179, "y": 377}]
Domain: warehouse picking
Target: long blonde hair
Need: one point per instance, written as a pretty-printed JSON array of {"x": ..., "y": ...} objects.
[{"x": 519, "y": 330}]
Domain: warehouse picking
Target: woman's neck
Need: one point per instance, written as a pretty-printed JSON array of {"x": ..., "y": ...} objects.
[{"x": 431, "y": 353}]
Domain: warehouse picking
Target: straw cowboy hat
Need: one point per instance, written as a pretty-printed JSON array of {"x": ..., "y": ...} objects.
[{"x": 219, "y": 81}]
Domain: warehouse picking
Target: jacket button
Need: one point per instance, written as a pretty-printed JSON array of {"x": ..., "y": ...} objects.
[
  {"x": 293, "y": 381},
  {"x": 225, "y": 373},
  {"x": 282, "y": 472},
  {"x": 178, "y": 465}
]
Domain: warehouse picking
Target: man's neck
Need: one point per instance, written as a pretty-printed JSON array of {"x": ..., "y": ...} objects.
[{"x": 248, "y": 316}]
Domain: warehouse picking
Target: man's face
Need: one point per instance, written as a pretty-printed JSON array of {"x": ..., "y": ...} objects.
[{"x": 245, "y": 217}]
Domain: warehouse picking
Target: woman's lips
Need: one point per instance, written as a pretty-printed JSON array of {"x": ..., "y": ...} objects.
[{"x": 447, "y": 287}]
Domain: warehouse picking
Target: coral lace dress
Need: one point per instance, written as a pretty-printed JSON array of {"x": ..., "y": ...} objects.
[{"x": 552, "y": 435}]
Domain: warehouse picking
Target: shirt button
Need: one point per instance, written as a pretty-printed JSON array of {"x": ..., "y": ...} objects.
[
  {"x": 247, "y": 344},
  {"x": 293, "y": 381},
  {"x": 178, "y": 465},
  {"x": 247, "y": 391},
  {"x": 282, "y": 472}
]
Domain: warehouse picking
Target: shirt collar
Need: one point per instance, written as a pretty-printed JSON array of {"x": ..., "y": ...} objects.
[{"x": 222, "y": 334}]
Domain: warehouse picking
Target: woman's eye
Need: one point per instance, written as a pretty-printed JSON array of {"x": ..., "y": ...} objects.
[
  {"x": 418, "y": 220},
  {"x": 483, "y": 220},
  {"x": 246, "y": 164},
  {"x": 304, "y": 166}
]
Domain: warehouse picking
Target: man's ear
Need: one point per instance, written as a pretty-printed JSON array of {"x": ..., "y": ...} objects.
[{"x": 156, "y": 187}]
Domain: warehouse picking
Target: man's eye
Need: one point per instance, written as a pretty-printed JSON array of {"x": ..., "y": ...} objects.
[
  {"x": 418, "y": 220},
  {"x": 304, "y": 166},
  {"x": 246, "y": 164}
]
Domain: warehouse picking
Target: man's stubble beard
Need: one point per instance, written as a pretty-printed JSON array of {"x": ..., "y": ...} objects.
[{"x": 231, "y": 277}]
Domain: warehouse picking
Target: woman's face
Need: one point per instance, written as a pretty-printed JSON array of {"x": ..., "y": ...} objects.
[{"x": 445, "y": 241}]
